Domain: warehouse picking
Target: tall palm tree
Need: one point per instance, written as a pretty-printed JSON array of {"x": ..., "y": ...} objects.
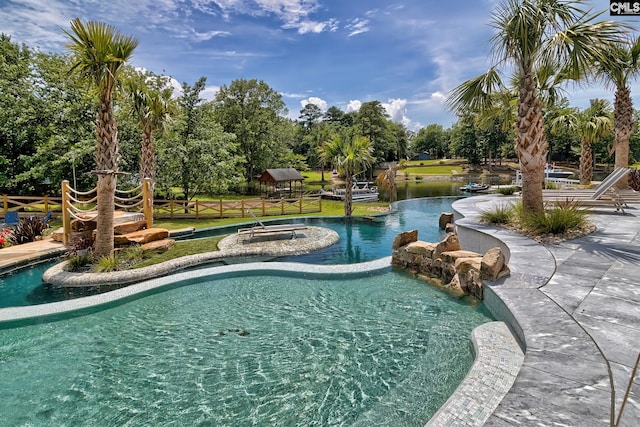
[
  {"x": 387, "y": 180},
  {"x": 591, "y": 125},
  {"x": 350, "y": 156},
  {"x": 532, "y": 35},
  {"x": 100, "y": 52},
  {"x": 617, "y": 69},
  {"x": 153, "y": 109}
]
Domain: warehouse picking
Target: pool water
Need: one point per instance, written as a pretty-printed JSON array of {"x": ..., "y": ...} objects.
[
  {"x": 386, "y": 349},
  {"x": 361, "y": 239},
  {"x": 366, "y": 239}
]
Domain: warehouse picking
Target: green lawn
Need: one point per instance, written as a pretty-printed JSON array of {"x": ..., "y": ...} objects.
[
  {"x": 329, "y": 208},
  {"x": 183, "y": 248}
]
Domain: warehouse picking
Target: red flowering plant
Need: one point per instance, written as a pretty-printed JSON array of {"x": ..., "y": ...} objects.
[{"x": 5, "y": 234}]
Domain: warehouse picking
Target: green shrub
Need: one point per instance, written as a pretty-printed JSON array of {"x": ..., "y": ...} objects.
[
  {"x": 107, "y": 264},
  {"x": 27, "y": 230},
  {"x": 507, "y": 191},
  {"x": 132, "y": 254},
  {"x": 499, "y": 215},
  {"x": 561, "y": 217},
  {"x": 79, "y": 262},
  {"x": 548, "y": 185}
]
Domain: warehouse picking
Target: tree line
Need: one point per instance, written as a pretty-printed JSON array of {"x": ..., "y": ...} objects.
[{"x": 48, "y": 129}]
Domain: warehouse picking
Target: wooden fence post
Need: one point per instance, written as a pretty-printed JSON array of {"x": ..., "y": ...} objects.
[
  {"x": 66, "y": 215},
  {"x": 220, "y": 208},
  {"x": 300, "y": 204},
  {"x": 46, "y": 203},
  {"x": 197, "y": 209},
  {"x": 5, "y": 203},
  {"x": 281, "y": 206},
  {"x": 147, "y": 201}
]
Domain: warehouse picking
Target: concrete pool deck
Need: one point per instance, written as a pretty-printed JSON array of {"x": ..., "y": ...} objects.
[{"x": 575, "y": 307}]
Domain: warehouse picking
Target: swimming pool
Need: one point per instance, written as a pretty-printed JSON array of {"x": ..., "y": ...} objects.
[
  {"x": 385, "y": 349},
  {"x": 366, "y": 239},
  {"x": 361, "y": 240}
]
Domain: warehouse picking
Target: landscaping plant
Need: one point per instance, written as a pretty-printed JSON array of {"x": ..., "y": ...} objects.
[{"x": 27, "y": 230}]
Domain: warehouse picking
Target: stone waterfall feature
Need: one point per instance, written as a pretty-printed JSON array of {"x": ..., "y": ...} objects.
[{"x": 447, "y": 265}]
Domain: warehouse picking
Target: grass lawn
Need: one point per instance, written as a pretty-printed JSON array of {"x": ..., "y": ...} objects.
[
  {"x": 329, "y": 208},
  {"x": 183, "y": 248}
]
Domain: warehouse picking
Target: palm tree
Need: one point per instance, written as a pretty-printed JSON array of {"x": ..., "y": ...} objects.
[
  {"x": 100, "y": 54},
  {"x": 350, "y": 156},
  {"x": 153, "y": 109},
  {"x": 617, "y": 69},
  {"x": 590, "y": 125},
  {"x": 387, "y": 180},
  {"x": 532, "y": 35}
]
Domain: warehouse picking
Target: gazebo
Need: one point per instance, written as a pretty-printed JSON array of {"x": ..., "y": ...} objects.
[{"x": 281, "y": 183}]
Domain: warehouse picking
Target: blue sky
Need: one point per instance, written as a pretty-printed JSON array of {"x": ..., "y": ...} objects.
[{"x": 407, "y": 54}]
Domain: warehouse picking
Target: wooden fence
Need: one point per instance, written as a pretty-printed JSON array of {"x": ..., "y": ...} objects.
[{"x": 173, "y": 209}]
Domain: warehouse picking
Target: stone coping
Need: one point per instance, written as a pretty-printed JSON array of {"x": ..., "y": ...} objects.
[
  {"x": 565, "y": 378},
  {"x": 498, "y": 359},
  {"x": 233, "y": 246}
]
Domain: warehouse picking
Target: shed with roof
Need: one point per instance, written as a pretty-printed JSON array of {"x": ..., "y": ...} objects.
[{"x": 281, "y": 183}]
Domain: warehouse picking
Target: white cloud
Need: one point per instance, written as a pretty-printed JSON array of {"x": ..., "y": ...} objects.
[
  {"x": 397, "y": 110},
  {"x": 177, "y": 87},
  {"x": 313, "y": 27},
  {"x": 209, "y": 35},
  {"x": 321, "y": 103},
  {"x": 294, "y": 14},
  {"x": 354, "y": 105},
  {"x": 358, "y": 26},
  {"x": 209, "y": 93}
]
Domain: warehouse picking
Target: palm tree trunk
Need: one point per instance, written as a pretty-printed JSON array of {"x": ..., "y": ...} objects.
[
  {"x": 348, "y": 197},
  {"x": 107, "y": 157},
  {"x": 623, "y": 122},
  {"x": 147, "y": 158},
  {"x": 586, "y": 163},
  {"x": 531, "y": 143}
]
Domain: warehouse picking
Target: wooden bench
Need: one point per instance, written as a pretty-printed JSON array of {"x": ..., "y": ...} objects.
[{"x": 260, "y": 228}]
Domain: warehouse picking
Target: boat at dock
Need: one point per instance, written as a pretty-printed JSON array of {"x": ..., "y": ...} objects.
[
  {"x": 360, "y": 192},
  {"x": 474, "y": 187}
]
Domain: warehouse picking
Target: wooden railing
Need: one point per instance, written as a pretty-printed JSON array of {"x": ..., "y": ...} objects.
[
  {"x": 174, "y": 209},
  {"x": 31, "y": 205}
]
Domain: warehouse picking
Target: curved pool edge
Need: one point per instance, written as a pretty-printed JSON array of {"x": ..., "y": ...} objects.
[
  {"x": 498, "y": 358},
  {"x": 11, "y": 316},
  {"x": 319, "y": 238}
]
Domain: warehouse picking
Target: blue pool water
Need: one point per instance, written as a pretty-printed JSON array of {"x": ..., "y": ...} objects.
[
  {"x": 360, "y": 240},
  {"x": 366, "y": 239},
  {"x": 266, "y": 350}
]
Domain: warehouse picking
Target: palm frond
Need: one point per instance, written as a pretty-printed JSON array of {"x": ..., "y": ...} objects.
[{"x": 475, "y": 94}]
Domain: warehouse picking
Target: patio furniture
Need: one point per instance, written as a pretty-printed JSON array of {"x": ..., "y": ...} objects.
[
  {"x": 11, "y": 218},
  {"x": 260, "y": 228},
  {"x": 604, "y": 194}
]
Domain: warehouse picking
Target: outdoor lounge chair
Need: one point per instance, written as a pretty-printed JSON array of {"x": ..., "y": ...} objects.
[
  {"x": 604, "y": 194},
  {"x": 11, "y": 218},
  {"x": 45, "y": 219},
  {"x": 260, "y": 228}
]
